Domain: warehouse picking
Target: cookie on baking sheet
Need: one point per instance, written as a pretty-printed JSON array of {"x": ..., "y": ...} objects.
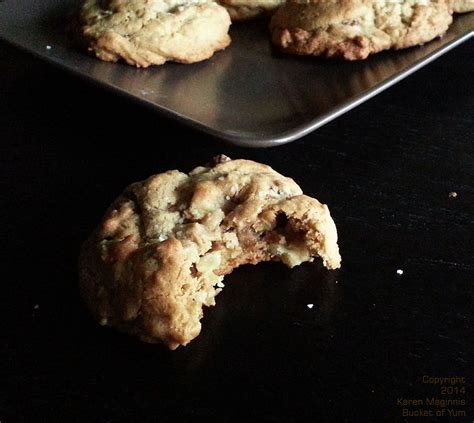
[
  {"x": 354, "y": 29},
  {"x": 151, "y": 32},
  {"x": 463, "y": 6},
  {"x": 164, "y": 246},
  {"x": 241, "y": 10}
]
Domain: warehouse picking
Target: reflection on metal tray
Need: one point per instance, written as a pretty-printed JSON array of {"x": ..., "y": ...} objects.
[{"x": 248, "y": 94}]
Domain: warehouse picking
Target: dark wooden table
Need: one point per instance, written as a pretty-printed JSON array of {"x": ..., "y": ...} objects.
[{"x": 373, "y": 337}]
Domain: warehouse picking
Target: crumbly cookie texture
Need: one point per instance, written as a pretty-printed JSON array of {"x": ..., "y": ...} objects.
[
  {"x": 151, "y": 32},
  {"x": 164, "y": 246},
  {"x": 353, "y": 30},
  {"x": 463, "y": 6},
  {"x": 242, "y": 10}
]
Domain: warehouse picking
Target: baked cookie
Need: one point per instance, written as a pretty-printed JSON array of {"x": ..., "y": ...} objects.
[
  {"x": 165, "y": 244},
  {"x": 242, "y": 10},
  {"x": 463, "y": 6},
  {"x": 354, "y": 29},
  {"x": 146, "y": 32}
]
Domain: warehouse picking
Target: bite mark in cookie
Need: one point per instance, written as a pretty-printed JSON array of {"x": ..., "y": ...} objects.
[{"x": 162, "y": 250}]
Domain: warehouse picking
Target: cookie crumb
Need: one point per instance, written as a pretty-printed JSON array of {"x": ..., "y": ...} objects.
[
  {"x": 310, "y": 306},
  {"x": 399, "y": 272},
  {"x": 453, "y": 194}
]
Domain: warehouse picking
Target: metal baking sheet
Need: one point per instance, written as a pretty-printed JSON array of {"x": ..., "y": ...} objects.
[{"x": 248, "y": 94}]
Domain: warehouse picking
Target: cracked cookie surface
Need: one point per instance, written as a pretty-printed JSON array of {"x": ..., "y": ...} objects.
[
  {"x": 146, "y": 32},
  {"x": 353, "y": 30},
  {"x": 164, "y": 246}
]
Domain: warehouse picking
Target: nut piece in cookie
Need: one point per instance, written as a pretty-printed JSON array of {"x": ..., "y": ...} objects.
[
  {"x": 151, "y": 32},
  {"x": 242, "y": 10},
  {"x": 162, "y": 250},
  {"x": 353, "y": 30}
]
